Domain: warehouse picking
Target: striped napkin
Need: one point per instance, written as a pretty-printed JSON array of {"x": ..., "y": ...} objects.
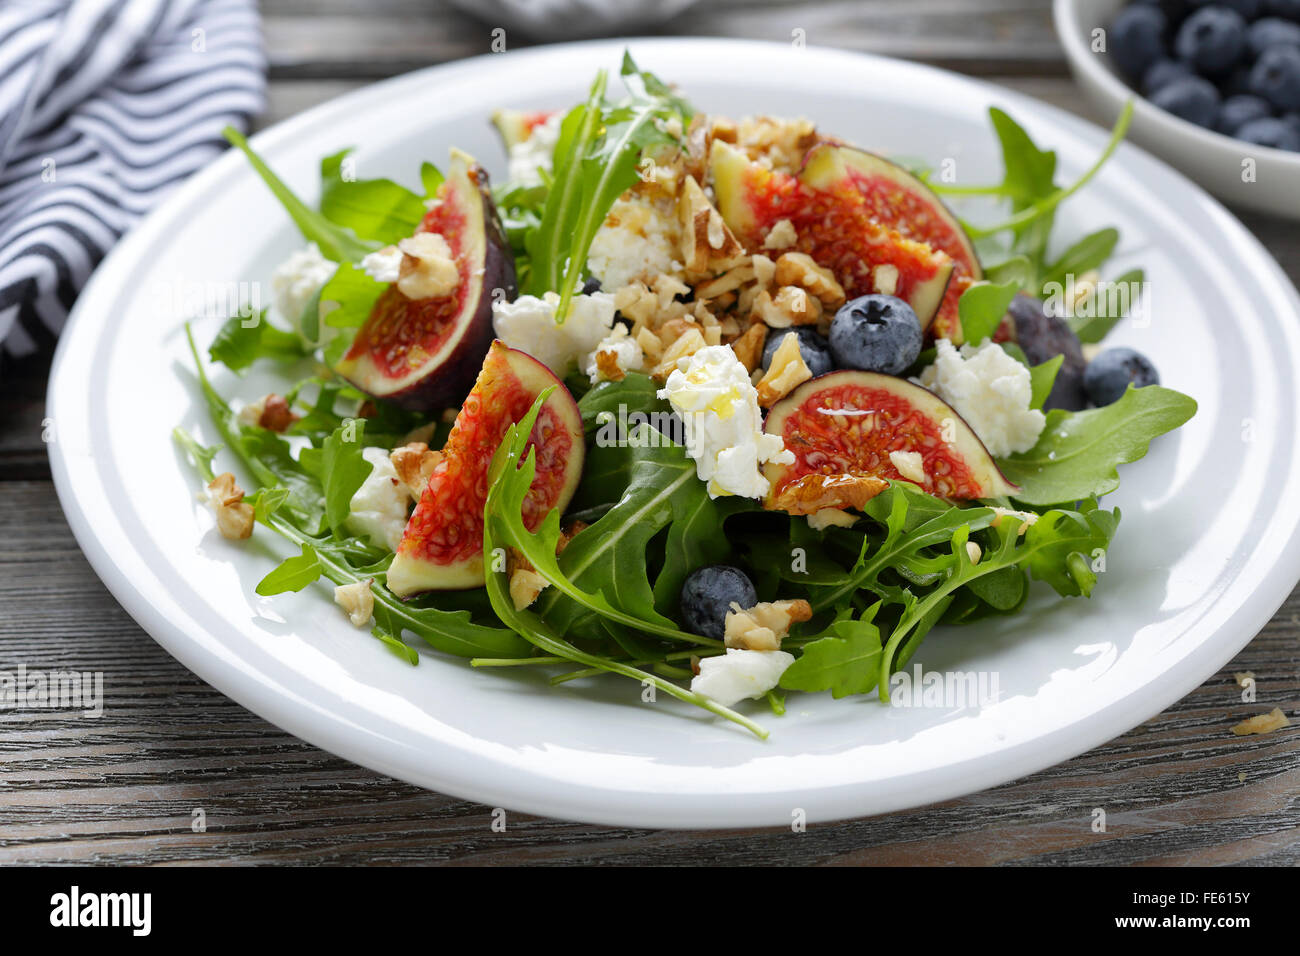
[{"x": 105, "y": 105}]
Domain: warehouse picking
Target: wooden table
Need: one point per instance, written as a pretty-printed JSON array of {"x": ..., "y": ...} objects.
[{"x": 1179, "y": 789}]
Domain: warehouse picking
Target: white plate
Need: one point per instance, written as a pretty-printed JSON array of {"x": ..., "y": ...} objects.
[{"x": 1206, "y": 552}]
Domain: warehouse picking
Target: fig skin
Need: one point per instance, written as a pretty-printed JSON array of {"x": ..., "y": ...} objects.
[
  {"x": 1041, "y": 337},
  {"x": 447, "y": 376}
]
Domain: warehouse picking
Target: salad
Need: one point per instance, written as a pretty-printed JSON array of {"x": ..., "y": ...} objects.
[{"x": 728, "y": 407}]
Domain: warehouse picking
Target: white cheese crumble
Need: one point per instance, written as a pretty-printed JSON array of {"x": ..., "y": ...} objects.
[
  {"x": 740, "y": 675},
  {"x": 378, "y": 509},
  {"x": 628, "y": 354},
  {"x": 528, "y": 324},
  {"x": 297, "y": 280},
  {"x": 383, "y": 265},
  {"x": 718, "y": 405},
  {"x": 637, "y": 241},
  {"x": 991, "y": 391},
  {"x": 535, "y": 153}
]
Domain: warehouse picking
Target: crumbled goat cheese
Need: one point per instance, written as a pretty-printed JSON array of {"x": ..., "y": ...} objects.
[
  {"x": 638, "y": 241},
  {"x": 383, "y": 265},
  {"x": 740, "y": 675},
  {"x": 535, "y": 152},
  {"x": 528, "y": 324},
  {"x": 991, "y": 391},
  {"x": 712, "y": 393},
  {"x": 428, "y": 269},
  {"x": 378, "y": 509},
  {"x": 295, "y": 282},
  {"x": 627, "y": 351}
]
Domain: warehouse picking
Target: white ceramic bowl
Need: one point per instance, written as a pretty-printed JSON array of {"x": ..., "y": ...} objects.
[{"x": 1255, "y": 177}]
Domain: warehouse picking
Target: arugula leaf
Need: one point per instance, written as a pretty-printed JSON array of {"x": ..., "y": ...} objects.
[
  {"x": 334, "y": 242},
  {"x": 293, "y": 574},
  {"x": 377, "y": 209},
  {"x": 981, "y": 308},
  {"x": 847, "y": 662},
  {"x": 1094, "y": 318},
  {"x": 1077, "y": 454},
  {"x": 508, "y": 482},
  {"x": 354, "y": 293},
  {"x": 1042, "y": 378},
  {"x": 238, "y": 344},
  {"x": 340, "y": 468},
  {"x": 1086, "y": 254}
]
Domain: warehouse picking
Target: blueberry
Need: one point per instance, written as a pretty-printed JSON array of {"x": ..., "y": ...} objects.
[
  {"x": 1292, "y": 120},
  {"x": 708, "y": 594},
  {"x": 1137, "y": 38},
  {"x": 1239, "y": 110},
  {"x": 1174, "y": 10},
  {"x": 1290, "y": 9},
  {"x": 1248, "y": 9},
  {"x": 1276, "y": 133},
  {"x": 1162, "y": 73},
  {"x": 1272, "y": 31},
  {"x": 1212, "y": 39},
  {"x": 1109, "y": 375},
  {"x": 1276, "y": 77},
  {"x": 1236, "y": 82},
  {"x": 590, "y": 286},
  {"x": 875, "y": 333},
  {"x": 1192, "y": 98},
  {"x": 814, "y": 348}
]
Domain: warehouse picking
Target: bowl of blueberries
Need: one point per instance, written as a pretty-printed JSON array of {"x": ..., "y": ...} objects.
[{"x": 1216, "y": 85}]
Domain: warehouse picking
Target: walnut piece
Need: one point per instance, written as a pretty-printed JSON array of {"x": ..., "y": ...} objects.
[
  {"x": 831, "y": 518},
  {"x": 786, "y": 372},
  {"x": 357, "y": 600},
  {"x": 607, "y": 366},
  {"x": 1262, "y": 723},
  {"x": 812, "y": 493},
  {"x": 762, "y": 627},
  {"x": 705, "y": 238},
  {"x": 799, "y": 269},
  {"x": 428, "y": 269},
  {"x": 781, "y": 236},
  {"x": 790, "y": 306},
  {"x": 414, "y": 462},
  {"x": 749, "y": 347},
  {"x": 234, "y": 515}
]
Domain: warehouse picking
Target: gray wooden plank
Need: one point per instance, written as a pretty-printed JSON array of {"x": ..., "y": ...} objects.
[{"x": 122, "y": 788}]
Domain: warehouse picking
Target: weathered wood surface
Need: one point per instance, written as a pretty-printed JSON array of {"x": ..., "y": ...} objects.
[{"x": 1179, "y": 789}]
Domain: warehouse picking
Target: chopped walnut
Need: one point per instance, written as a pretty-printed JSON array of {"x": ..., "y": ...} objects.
[
  {"x": 1244, "y": 678},
  {"x": 1262, "y": 723},
  {"x": 428, "y": 269},
  {"x": 729, "y": 281},
  {"x": 414, "y": 463},
  {"x": 831, "y": 518},
  {"x": 973, "y": 552},
  {"x": 271, "y": 412},
  {"x": 799, "y": 269},
  {"x": 812, "y": 493},
  {"x": 762, "y": 627},
  {"x": 705, "y": 238},
  {"x": 776, "y": 143},
  {"x": 749, "y": 347},
  {"x": 764, "y": 270},
  {"x": 357, "y": 600},
  {"x": 909, "y": 464},
  {"x": 684, "y": 345},
  {"x": 781, "y": 236},
  {"x": 790, "y": 306},
  {"x": 651, "y": 345},
  {"x": 234, "y": 515},
  {"x": 421, "y": 434},
  {"x": 525, "y": 586},
  {"x": 785, "y": 372},
  {"x": 607, "y": 366}
]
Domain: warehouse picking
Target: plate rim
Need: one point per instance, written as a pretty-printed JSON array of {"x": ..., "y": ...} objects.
[{"x": 563, "y": 800}]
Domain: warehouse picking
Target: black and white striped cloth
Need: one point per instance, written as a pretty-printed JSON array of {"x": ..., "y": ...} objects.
[{"x": 105, "y": 105}]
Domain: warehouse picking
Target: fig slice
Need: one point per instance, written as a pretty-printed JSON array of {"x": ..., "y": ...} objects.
[
  {"x": 442, "y": 548},
  {"x": 894, "y": 198},
  {"x": 422, "y": 354},
  {"x": 831, "y": 221},
  {"x": 848, "y": 423},
  {"x": 516, "y": 126}
]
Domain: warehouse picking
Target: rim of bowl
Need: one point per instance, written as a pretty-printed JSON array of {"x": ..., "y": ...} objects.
[{"x": 1082, "y": 59}]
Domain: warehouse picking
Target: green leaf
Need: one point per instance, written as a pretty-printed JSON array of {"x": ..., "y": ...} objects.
[
  {"x": 377, "y": 209},
  {"x": 981, "y": 308},
  {"x": 1093, "y": 318},
  {"x": 848, "y": 662},
  {"x": 1078, "y": 452},
  {"x": 343, "y": 469},
  {"x": 1017, "y": 269},
  {"x": 242, "y": 340},
  {"x": 1085, "y": 255},
  {"x": 334, "y": 242},
  {"x": 349, "y": 296},
  {"x": 267, "y": 502},
  {"x": 1042, "y": 378},
  {"x": 293, "y": 574},
  {"x": 431, "y": 178}
]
